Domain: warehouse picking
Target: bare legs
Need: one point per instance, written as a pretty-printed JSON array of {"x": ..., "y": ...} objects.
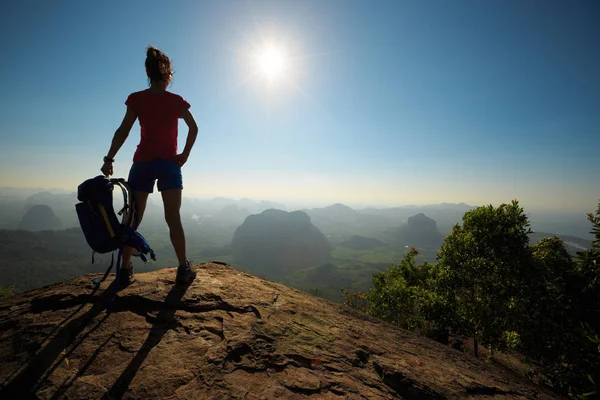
[
  {"x": 141, "y": 200},
  {"x": 172, "y": 205}
]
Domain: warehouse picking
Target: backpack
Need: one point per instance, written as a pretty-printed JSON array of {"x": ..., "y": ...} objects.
[{"x": 101, "y": 227}]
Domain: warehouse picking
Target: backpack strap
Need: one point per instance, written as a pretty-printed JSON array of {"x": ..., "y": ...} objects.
[
  {"x": 119, "y": 183},
  {"x": 112, "y": 262},
  {"x": 116, "y": 281},
  {"x": 130, "y": 204},
  {"x": 134, "y": 220}
]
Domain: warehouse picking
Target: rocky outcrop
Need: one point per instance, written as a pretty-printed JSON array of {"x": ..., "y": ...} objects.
[{"x": 229, "y": 335}]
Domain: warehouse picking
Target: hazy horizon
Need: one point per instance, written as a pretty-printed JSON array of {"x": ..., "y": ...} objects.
[
  {"x": 403, "y": 103},
  {"x": 289, "y": 205}
]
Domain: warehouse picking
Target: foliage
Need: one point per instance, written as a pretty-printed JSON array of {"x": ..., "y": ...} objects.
[
  {"x": 591, "y": 387},
  {"x": 480, "y": 265},
  {"x": 403, "y": 296},
  {"x": 400, "y": 295},
  {"x": 548, "y": 313},
  {"x": 512, "y": 339},
  {"x": 5, "y": 292},
  {"x": 595, "y": 220},
  {"x": 589, "y": 267},
  {"x": 355, "y": 300},
  {"x": 588, "y": 304}
]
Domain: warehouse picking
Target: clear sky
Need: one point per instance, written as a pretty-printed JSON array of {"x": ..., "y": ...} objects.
[{"x": 379, "y": 102}]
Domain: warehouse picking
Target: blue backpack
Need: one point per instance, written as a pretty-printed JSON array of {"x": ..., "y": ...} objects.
[{"x": 101, "y": 227}]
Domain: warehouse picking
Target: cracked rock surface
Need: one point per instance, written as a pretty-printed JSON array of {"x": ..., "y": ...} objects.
[{"x": 228, "y": 335}]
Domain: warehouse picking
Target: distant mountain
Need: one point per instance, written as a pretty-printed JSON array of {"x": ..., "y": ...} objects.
[
  {"x": 220, "y": 208},
  {"x": 337, "y": 212},
  {"x": 420, "y": 231},
  {"x": 339, "y": 221},
  {"x": 62, "y": 204},
  {"x": 445, "y": 214},
  {"x": 256, "y": 207},
  {"x": 362, "y": 243},
  {"x": 455, "y": 207},
  {"x": 40, "y": 218},
  {"x": 15, "y": 203},
  {"x": 23, "y": 193},
  {"x": 233, "y": 211},
  {"x": 276, "y": 243}
]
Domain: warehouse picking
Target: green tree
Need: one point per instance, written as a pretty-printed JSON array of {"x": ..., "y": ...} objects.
[
  {"x": 559, "y": 319},
  {"x": 480, "y": 264},
  {"x": 548, "y": 316},
  {"x": 588, "y": 304},
  {"x": 589, "y": 266},
  {"x": 591, "y": 388},
  {"x": 404, "y": 295},
  {"x": 547, "y": 310}
]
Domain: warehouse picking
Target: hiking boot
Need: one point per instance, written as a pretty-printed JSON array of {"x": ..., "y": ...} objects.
[
  {"x": 126, "y": 276},
  {"x": 185, "y": 274}
]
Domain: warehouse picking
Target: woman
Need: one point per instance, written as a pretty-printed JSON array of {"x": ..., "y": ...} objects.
[{"x": 156, "y": 157}]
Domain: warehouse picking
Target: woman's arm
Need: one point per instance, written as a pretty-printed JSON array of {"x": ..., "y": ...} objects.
[
  {"x": 191, "y": 137},
  {"x": 118, "y": 139},
  {"x": 121, "y": 133}
]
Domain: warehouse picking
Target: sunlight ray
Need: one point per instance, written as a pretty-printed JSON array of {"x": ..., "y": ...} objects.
[{"x": 303, "y": 92}]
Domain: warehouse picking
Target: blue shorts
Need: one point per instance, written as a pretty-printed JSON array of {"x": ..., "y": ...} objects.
[{"x": 143, "y": 175}]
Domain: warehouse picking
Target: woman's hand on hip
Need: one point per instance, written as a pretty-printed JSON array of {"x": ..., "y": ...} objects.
[{"x": 181, "y": 159}]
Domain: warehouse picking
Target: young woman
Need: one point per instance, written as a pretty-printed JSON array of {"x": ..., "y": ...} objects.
[{"x": 156, "y": 157}]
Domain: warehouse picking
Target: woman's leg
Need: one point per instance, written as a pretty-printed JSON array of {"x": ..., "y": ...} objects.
[
  {"x": 141, "y": 199},
  {"x": 170, "y": 185},
  {"x": 172, "y": 205}
]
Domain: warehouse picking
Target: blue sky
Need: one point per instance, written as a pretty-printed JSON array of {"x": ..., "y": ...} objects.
[{"x": 386, "y": 102}]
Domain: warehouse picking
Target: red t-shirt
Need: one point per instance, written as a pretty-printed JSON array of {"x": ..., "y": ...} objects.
[{"x": 158, "y": 114}]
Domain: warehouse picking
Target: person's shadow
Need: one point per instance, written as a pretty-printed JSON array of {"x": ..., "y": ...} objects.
[
  {"x": 39, "y": 366},
  {"x": 44, "y": 363},
  {"x": 163, "y": 323}
]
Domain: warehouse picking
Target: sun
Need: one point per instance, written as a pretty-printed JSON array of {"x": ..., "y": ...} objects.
[{"x": 271, "y": 63}]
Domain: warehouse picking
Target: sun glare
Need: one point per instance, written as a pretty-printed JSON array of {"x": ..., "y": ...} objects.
[{"x": 271, "y": 63}]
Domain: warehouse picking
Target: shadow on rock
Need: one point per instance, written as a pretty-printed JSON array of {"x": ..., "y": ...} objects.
[
  {"x": 163, "y": 323},
  {"x": 41, "y": 365}
]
